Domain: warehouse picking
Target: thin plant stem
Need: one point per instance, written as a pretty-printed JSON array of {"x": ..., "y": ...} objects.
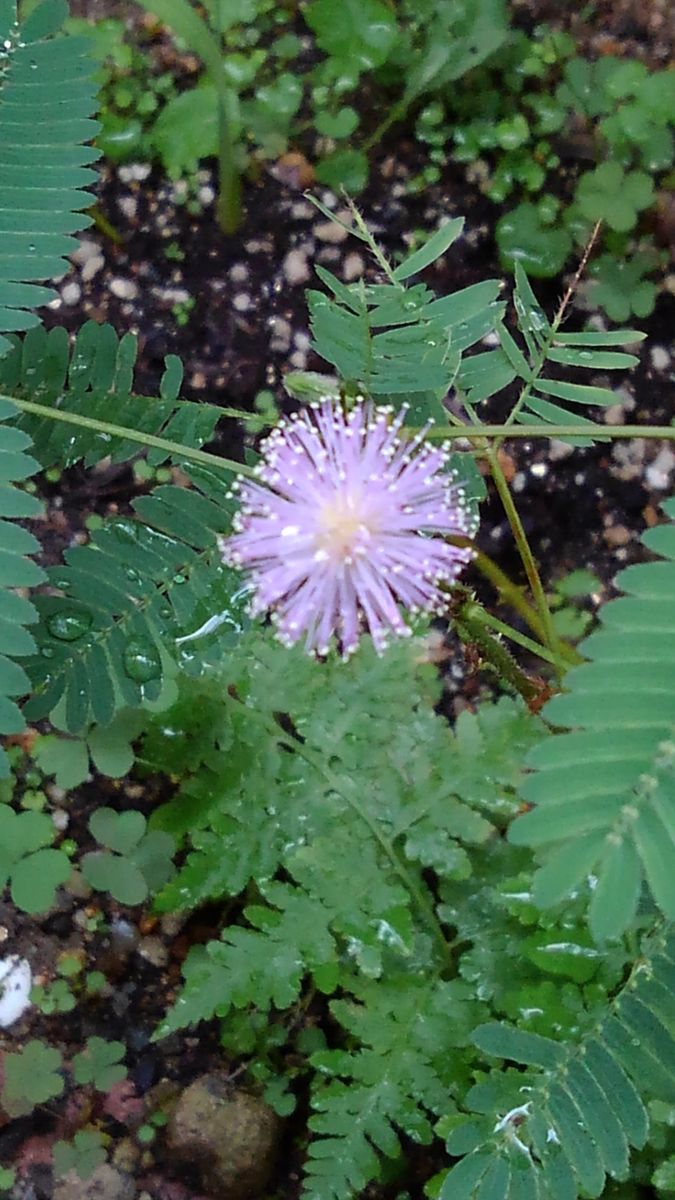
[
  {"x": 512, "y": 594},
  {"x": 132, "y": 435},
  {"x": 542, "y": 432},
  {"x": 509, "y": 591},
  {"x": 526, "y": 555}
]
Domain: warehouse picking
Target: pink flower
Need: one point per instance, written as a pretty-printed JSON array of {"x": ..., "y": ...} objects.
[{"x": 337, "y": 539}]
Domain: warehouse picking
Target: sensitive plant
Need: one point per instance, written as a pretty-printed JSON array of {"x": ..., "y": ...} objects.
[{"x": 495, "y": 984}]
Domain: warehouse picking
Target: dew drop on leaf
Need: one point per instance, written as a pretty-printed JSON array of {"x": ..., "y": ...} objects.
[
  {"x": 69, "y": 626},
  {"x": 141, "y": 661}
]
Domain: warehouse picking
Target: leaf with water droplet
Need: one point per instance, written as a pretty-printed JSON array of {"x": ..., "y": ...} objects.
[
  {"x": 141, "y": 661},
  {"x": 69, "y": 625}
]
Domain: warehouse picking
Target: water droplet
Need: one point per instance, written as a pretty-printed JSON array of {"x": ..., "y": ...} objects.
[
  {"x": 179, "y": 579},
  {"x": 141, "y": 661},
  {"x": 33, "y": 65},
  {"x": 69, "y": 625},
  {"x": 47, "y": 652},
  {"x": 126, "y": 532}
]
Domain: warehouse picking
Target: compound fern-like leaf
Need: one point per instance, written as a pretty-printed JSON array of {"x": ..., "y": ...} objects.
[
  {"x": 603, "y": 794},
  {"x": 558, "y": 1129},
  {"x": 47, "y": 97},
  {"x": 16, "y": 571},
  {"x": 94, "y": 378}
]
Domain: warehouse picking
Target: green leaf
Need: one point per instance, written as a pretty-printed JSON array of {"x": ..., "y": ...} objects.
[
  {"x": 30, "y": 1076},
  {"x": 42, "y": 68},
  {"x": 346, "y": 169},
  {"x": 612, "y": 195},
  {"x": 437, "y": 244},
  {"x": 523, "y": 238},
  {"x": 359, "y": 33},
  {"x": 36, "y": 878},
  {"x": 100, "y": 1063},
  {"x": 116, "y": 875}
]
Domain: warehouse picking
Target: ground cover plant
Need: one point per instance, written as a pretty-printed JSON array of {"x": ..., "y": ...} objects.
[
  {"x": 458, "y": 938},
  {"x": 566, "y": 139}
]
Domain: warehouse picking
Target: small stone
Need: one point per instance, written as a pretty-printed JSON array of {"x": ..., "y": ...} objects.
[
  {"x": 123, "y": 289},
  {"x": 106, "y": 1183},
  {"x": 658, "y": 472},
  {"x": 134, "y": 172},
  {"x": 281, "y": 334},
  {"x": 16, "y": 981},
  {"x": 353, "y": 267},
  {"x": 298, "y": 360},
  {"x": 92, "y": 267},
  {"x": 229, "y": 1136},
  {"x": 296, "y": 267},
  {"x": 206, "y": 195},
  {"x": 660, "y": 358},
  {"x": 129, "y": 206},
  {"x": 70, "y": 294},
  {"x": 617, "y": 535},
  {"x": 153, "y": 950},
  {"x": 302, "y": 211},
  {"x": 60, "y": 819},
  {"x": 239, "y": 273},
  {"x": 241, "y": 302},
  {"x": 539, "y": 470},
  {"x": 126, "y": 1156},
  {"x": 330, "y": 231}
]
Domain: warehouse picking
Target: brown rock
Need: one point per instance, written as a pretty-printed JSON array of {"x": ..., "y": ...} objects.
[{"x": 228, "y": 1136}]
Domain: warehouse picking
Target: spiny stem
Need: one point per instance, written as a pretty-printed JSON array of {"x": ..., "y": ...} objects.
[
  {"x": 512, "y": 595},
  {"x": 471, "y": 627}
]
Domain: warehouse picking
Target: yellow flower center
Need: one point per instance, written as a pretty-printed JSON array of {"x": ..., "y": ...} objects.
[{"x": 338, "y": 525}]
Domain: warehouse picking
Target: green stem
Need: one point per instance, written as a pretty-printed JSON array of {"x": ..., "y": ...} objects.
[
  {"x": 344, "y": 789},
  {"x": 521, "y": 639},
  {"x": 471, "y": 625},
  {"x": 526, "y": 555},
  {"x": 132, "y": 435},
  {"x": 606, "y": 433},
  {"x": 508, "y": 591}
]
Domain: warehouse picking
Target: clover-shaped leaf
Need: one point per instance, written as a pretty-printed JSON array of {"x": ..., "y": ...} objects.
[
  {"x": 620, "y": 288},
  {"x": 83, "y": 1155},
  {"x": 100, "y": 1063},
  {"x": 31, "y": 1076},
  {"x": 359, "y": 33},
  {"x": 523, "y": 237},
  {"x": 613, "y": 195},
  {"x": 133, "y": 862},
  {"x": 34, "y": 869}
]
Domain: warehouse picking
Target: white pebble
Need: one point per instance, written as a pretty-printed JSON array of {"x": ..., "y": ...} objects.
[
  {"x": 16, "y": 981},
  {"x": 239, "y": 273},
  {"x": 241, "y": 302},
  {"x": 206, "y": 195},
  {"x": 124, "y": 289},
  {"x": 129, "y": 206},
  {"x": 659, "y": 471},
  {"x": 660, "y": 358},
  {"x": 92, "y": 267},
  {"x": 296, "y": 268},
  {"x": 330, "y": 231},
  {"x": 70, "y": 294},
  {"x": 353, "y": 267},
  {"x": 134, "y": 171}
]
